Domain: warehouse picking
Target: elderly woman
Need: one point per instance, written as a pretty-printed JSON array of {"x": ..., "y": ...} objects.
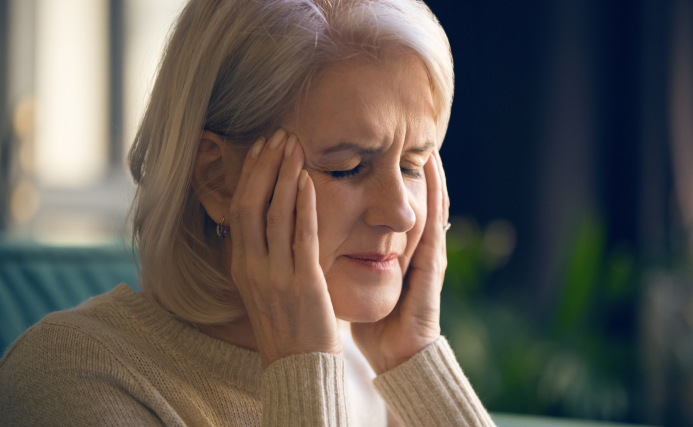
[{"x": 290, "y": 215}]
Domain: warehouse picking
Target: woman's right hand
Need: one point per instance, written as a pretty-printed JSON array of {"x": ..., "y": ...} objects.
[{"x": 274, "y": 253}]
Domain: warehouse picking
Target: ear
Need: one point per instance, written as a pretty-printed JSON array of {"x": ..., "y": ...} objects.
[{"x": 213, "y": 180}]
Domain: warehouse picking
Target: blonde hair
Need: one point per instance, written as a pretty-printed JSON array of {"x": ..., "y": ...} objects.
[{"x": 237, "y": 68}]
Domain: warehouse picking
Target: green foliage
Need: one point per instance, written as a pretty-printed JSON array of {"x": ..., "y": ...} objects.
[
  {"x": 473, "y": 254},
  {"x": 582, "y": 273},
  {"x": 577, "y": 359}
]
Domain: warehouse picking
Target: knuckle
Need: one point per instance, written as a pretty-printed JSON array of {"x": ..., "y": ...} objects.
[
  {"x": 234, "y": 214},
  {"x": 245, "y": 209},
  {"x": 253, "y": 276},
  {"x": 303, "y": 237},
  {"x": 275, "y": 218}
]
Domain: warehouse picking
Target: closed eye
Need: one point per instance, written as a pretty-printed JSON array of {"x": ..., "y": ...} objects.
[
  {"x": 347, "y": 173},
  {"x": 412, "y": 173}
]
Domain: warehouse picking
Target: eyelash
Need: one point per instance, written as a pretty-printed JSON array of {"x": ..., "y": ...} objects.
[
  {"x": 346, "y": 174},
  {"x": 351, "y": 172},
  {"x": 411, "y": 173}
]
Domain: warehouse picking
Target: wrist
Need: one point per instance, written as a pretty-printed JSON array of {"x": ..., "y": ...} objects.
[
  {"x": 270, "y": 354},
  {"x": 387, "y": 363},
  {"x": 390, "y": 364}
]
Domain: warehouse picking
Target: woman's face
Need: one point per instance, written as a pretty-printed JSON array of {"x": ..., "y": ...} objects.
[{"x": 367, "y": 130}]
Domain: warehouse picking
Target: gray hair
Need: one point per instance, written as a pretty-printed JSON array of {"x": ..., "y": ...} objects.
[{"x": 238, "y": 68}]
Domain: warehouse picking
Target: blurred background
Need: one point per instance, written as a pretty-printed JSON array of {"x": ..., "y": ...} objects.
[{"x": 569, "y": 158}]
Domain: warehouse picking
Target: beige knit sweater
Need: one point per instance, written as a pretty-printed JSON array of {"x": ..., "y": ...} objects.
[{"x": 118, "y": 359}]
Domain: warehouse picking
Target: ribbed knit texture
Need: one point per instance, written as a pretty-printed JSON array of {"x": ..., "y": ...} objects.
[
  {"x": 431, "y": 390},
  {"x": 319, "y": 403},
  {"x": 120, "y": 360}
]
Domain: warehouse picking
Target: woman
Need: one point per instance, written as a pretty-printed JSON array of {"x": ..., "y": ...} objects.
[{"x": 288, "y": 176}]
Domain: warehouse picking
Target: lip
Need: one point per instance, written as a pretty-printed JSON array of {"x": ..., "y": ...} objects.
[{"x": 374, "y": 261}]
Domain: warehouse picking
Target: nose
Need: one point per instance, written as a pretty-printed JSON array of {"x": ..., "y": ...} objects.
[{"x": 388, "y": 203}]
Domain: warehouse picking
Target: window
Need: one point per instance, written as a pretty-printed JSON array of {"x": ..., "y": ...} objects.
[{"x": 79, "y": 74}]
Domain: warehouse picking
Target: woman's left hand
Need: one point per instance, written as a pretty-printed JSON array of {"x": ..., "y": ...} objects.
[{"x": 415, "y": 321}]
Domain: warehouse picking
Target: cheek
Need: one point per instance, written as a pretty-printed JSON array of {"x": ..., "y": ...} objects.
[{"x": 337, "y": 211}]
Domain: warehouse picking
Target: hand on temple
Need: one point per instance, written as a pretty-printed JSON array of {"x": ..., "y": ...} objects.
[{"x": 274, "y": 253}]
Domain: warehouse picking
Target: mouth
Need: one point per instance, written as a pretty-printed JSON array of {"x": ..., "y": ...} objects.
[{"x": 374, "y": 260}]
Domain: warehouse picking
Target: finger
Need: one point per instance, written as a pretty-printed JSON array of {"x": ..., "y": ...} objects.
[
  {"x": 234, "y": 215},
  {"x": 248, "y": 166},
  {"x": 444, "y": 188},
  {"x": 254, "y": 201},
  {"x": 306, "y": 249},
  {"x": 436, "y": 232},
  {"x": 429, "y": 258},
  {"x": 433, "y": 230},
  {"x": 281, "y": 214}
]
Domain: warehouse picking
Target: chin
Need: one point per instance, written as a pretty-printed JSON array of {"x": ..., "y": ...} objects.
[{"x": 364, "y": 298}]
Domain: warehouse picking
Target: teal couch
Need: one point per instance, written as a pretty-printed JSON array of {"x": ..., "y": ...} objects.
[{"x": 38, "y": 279}]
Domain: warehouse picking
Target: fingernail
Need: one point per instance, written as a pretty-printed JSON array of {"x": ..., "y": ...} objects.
[
  {"x": 302, "y": 179},
  {"x": 257, "y": 148},
  {"x": 290, "y": 144},
  {"x": 277, "y": 139}
]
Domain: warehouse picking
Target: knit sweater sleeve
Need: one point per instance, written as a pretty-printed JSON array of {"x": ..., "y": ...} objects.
[
  {"x": 305, "y": 390},
  {"x": 45, "y": 379},
  {"x": 431, "y": 390}
]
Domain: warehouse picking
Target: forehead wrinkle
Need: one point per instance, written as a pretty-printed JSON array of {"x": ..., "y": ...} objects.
[
  {"x": 350, "y": 117},
  {"x": 384, "y": 126},
  {"x": 421, "y": 149}
]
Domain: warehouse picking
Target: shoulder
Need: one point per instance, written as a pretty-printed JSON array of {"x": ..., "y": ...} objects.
[
  {"x": 67, "y": 367},
  {"x": 54, "y": 347},
  {"x": 115, "y": 323},
  {"x": 93, "y": 320},
  {"x": 63, "y": 341}
]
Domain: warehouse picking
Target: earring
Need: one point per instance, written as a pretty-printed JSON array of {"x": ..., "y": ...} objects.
[{"x": 222, "y": 230}]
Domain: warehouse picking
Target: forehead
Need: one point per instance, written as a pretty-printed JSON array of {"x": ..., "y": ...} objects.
[{"x": 369, "y": 103}]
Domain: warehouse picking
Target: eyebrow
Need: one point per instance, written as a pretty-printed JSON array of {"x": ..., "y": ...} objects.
[{"x": 363, "y": 151}]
